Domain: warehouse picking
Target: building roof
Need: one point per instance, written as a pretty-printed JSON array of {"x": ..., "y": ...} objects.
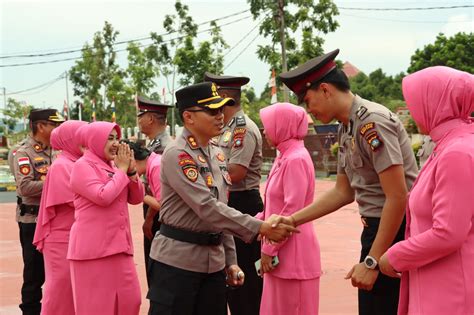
[{"x": 350, "y": 70}]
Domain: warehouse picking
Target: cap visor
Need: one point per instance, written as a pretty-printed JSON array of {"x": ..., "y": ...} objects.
[{"x": 217, "y": 103}]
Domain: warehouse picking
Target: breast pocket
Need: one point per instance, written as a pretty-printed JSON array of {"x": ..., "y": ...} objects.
[{"x": 356, "y": 161}]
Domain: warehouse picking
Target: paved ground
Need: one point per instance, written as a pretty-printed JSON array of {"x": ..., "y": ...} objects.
[{"x": 338, "y": 236}]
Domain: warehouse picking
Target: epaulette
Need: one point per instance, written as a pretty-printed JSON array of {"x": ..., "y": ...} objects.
[
  {"x": 240, "y": 121},
  {"x": 362, "y": 112}
]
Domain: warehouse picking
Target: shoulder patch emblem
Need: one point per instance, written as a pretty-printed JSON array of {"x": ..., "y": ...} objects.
[
  {"x": 25, "y": 169},
  {"x": 23, "y": 161},
  {"x": 220, "y": 157},
  {"x": 374, "y": 141},
  {"x": 240, "y": 121},
  {"x": 192, "y": 142},
  {"x": 239, "y": 134},
  {"x": 367, "y": 127},
  {"x": 190, "y": 172},
  {"x": 188, "y": 165}
]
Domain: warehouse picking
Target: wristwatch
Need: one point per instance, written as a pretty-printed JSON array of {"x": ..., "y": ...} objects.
[{"x": 370, "y": 262}]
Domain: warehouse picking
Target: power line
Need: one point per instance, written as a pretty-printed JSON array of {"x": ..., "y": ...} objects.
[
  {"x": 404, "y": 21},
  {"x": 117, "y": 43},
  {"x": 408, "y": 9},
  {"x": 46, "y": 84},
  {"x": 243, "y": 38},
  {"x": 241, "y": 52},
  {"x": 117, "y": 50}
]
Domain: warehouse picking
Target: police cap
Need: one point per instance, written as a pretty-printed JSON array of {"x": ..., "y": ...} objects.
[
  {"x": 202, "y": 95},
  {"x": 45, "y": 115},
  {"x": 226, "y": 81},
  {"x": 149, "y": 106},
  {"x": 300, "y": 79}
]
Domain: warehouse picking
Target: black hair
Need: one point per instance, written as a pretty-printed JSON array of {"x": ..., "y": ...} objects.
[
  {"x": 337, "y": 78},
  {"x": 139, "y": 152}
]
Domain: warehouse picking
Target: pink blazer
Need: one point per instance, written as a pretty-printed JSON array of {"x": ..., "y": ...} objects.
[
  {"x": 437, "y": 257},
  {"x": 102, "y": 223}
]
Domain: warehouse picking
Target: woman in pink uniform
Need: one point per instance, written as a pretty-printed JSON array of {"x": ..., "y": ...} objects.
[
  {"x": 55, "y": 219},
  {"x": 103, "y": 273},
  {"x": 437, "y": 257},
  {"x": 292, "y": 287}
]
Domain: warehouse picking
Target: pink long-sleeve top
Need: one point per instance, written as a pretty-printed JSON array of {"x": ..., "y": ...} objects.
[
  {"x": 290, "y": 187},
  {"x": 153, "y": 165},
  {"x": 56, "y": 213},
  {"x": 437, "y": 257},
  {"x": 102, "y": 191}
]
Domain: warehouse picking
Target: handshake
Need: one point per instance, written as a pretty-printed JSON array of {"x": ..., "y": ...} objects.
[{"x": 277, "y": 228}]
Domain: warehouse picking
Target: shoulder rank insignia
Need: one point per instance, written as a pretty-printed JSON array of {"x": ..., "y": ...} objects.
[
  {"x": 240, "y": 121},
  {"x": 24, "y": 164},
  {"x": 37, "y": 147},
  {"x": 192, "y": 142},
  {"x": 220, "y": 157},
  {"x": 362, "y": 112},
  {"x": 189, "y": 167},
  {"x": 366, "y": 128},
  {"x": 239, "y": 134}
]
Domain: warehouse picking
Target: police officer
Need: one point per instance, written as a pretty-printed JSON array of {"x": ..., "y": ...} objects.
[
  {"x": 31, "y": 163},
  {"x": 241, "y": 142},
  {"x": 190, "y": 255},
  {"x": 375, "y": 164},
  {"x": 152, "y": 123}
]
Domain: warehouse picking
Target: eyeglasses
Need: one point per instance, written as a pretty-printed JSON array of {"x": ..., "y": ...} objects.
[{"x": 209, "y": 111}]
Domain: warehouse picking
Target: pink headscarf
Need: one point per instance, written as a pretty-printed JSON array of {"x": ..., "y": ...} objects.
[
  {"x": 81, "y": 135},
  {"x": 284, "y": 123},
  {"x": 96, "y": 134},
  {"x": 438, "y": 96},
  {"x": 56, "y": 189},
  {"x": 64, "y": 138}
]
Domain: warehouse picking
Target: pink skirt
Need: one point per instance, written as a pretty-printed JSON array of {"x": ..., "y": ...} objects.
[
  {"x": 106, "y": 286},
  {"x": 289, "y": 296},
  {"x": 57, "y": 292}
]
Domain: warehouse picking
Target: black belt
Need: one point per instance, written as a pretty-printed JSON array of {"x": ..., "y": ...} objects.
[
  {"x": 30, "y": 209},
  {"x": 198, "y": 238}
]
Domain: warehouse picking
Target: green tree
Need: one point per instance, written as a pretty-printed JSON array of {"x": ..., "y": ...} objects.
[
  {"x": 304, "y": 21},
  {"x": 455, "y": 52},
  {"x": 140, "y": 68},
  {"x": 96, "y": 71},
  {"x": 14, "y": 112}
]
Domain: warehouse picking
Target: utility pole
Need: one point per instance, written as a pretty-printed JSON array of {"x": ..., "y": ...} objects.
[
  {"x": 67, "y": 90},
  {"x": 281, "y": 13},
  {"x": 5, "y": 108}
]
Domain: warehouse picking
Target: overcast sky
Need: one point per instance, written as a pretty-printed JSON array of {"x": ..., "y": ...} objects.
[{"x": 368, "y": 39}]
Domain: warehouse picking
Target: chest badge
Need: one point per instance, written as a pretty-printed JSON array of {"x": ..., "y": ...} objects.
[
  {"x": 37, "y": 147},
  {"x": 209, "y": 181},
  {"x": 220, "y": 157},
  {"x": 226, "y": 136},
  {"x": 201, "y": 159}
]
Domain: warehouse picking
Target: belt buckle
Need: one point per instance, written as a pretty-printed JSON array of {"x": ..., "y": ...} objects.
[{"x": 215, "y": 238}]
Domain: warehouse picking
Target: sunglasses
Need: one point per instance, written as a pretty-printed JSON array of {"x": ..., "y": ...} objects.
[{"x": 209, "y": 111}]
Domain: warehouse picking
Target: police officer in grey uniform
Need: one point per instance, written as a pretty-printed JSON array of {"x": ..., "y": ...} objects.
[
  {"x": 376, "y": 165},
  {"x": 152, "y": 123},
  {"x": 194, "y": 249},
  {"x": 31, "y": 163},
  {"x": 241, "y": 142}
]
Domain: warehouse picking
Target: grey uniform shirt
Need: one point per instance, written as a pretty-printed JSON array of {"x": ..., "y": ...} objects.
[
  {"x": 194, "y": 183},
  {"x": 241, "y": 142},
  {"x": 31, "y": 164},
  {"x": 160, "y": 142},
  {"x": 11, "y": 165},
  {"x": 374, "y": 140}
]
